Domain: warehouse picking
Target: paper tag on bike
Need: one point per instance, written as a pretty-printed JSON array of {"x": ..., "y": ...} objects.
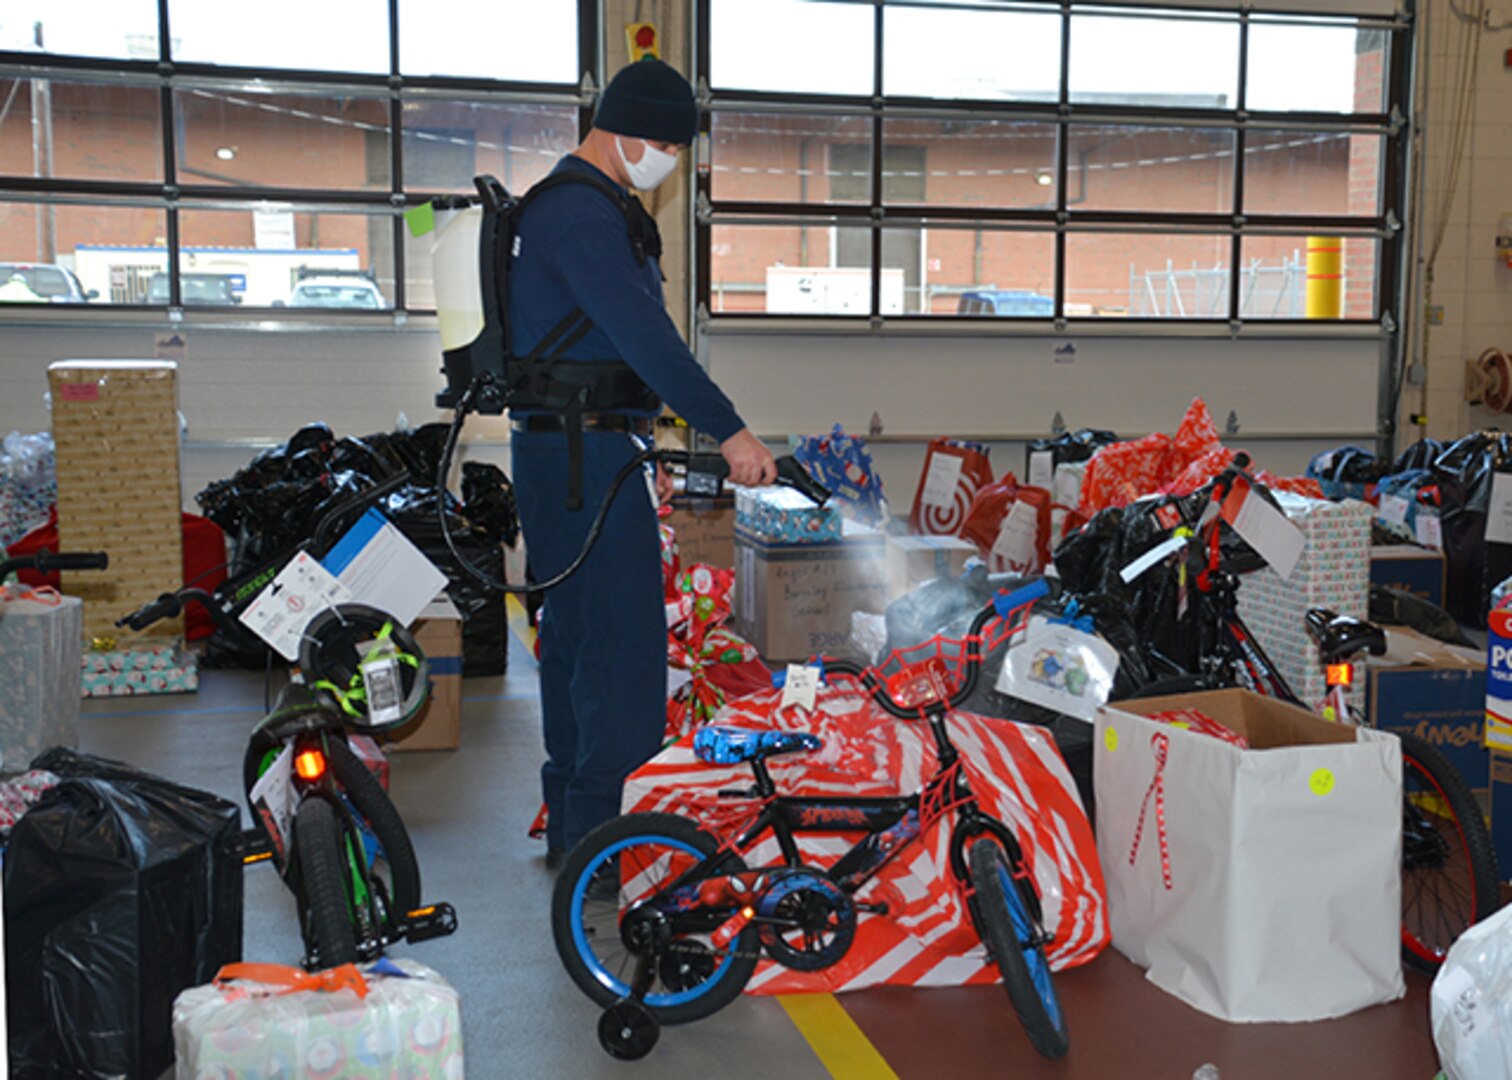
[
  {"x": 1156, "y": 554},
  {"x": 385, "y": 693},
  {"x": 273, "y": 800},
  {"x": 801, "y": 686},
  {"x": 302, "y": 590},
  {"x": 1264, "y": 528},
  {"x": 1059, "y": 667}
]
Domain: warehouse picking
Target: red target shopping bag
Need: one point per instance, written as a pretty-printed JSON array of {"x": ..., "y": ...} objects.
[
  {"x": 1010, "y": 525},
  {"x": 954, "y": 472}
]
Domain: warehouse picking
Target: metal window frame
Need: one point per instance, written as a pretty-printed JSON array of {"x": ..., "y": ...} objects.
[
  {"x": 173, "y": 196},
  {"x": 706, "y": 212}
]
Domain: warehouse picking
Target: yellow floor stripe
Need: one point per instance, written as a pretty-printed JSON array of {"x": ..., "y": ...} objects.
[
  {"x": 834, "y": 1036},
  {"x": 519, "y": 622}
]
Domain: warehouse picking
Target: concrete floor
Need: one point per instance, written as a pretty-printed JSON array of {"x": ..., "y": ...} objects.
[
  {"x": 467, "y": 812},
  {"x": 523, "y": 1018}
]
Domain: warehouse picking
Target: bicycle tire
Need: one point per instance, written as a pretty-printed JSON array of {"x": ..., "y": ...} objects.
[
  {"x": 330, "y": 935},
  {"x": 1456, "y": 872},
  {"x": 1005, "y": 922},
  {"x": 613, "y": 840},
  {"x": 374, "y": 804}
]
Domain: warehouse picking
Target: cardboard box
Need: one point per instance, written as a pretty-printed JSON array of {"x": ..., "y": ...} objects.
[
  {"x": 705, "y": 530},
  {"x": 1416, "y": 570},
  {"x": 1438, "y": 693},
  {"x": 438, "y": 631},
  {"x": 793, "y": 602},
  {"x": 913, "y": 560},
  {"x": 1256, "y": 885}
]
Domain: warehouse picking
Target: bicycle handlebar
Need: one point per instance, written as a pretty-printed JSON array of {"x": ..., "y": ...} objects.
[
  {"x": 46, "y": 562},
  {"x": 1001, "y": 606},
  {"x": 363, "y": 499}
]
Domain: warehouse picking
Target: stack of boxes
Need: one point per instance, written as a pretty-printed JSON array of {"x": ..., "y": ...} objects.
[{"x": 1333, "y": 572}]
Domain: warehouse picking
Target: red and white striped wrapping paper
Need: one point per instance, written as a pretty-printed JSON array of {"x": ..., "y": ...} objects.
[{"x": 926, "y": 939}]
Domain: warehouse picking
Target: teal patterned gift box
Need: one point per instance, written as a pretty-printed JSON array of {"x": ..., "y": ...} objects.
[
  {"x": 159, "y": 669},
  {"x": 408, "y": 1027}
]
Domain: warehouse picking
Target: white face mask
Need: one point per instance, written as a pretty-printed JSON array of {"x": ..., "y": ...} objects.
[{"x": 653, "y": 167}]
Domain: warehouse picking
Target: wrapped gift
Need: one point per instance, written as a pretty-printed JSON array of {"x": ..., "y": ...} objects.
[
  {"x": 843, "y": 464},
  {"x": 261, "y": 1021},
  {"x": 40, "y": 635},
  {"x": 1333, "y": 572},
  {"x": 18, "y": 794},
  {"x": 784, "y": 516},
  {"x": 28, "y": 484},
  {"x": 147, "y": 669}
]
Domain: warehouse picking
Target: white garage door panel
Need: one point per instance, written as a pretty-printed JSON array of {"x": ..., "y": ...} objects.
[{"x": 934, "y": 386}]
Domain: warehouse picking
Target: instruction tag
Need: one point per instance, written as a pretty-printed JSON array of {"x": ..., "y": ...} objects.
[
  {"x": 1393, "y": 510},
  {"x": 801, "y": 687},
  {"x": 380, "y": 677},
  {"x": 943, "y": 478},
  {"x": 1264, "y": 528},
  {"x": 1429, "y": 529},
  {"x": 1061, "y": 668},
  {"x": 280, "y": 613},
  {"x": 1499, "y": 511},
  {"x": 273, "y": 800}
]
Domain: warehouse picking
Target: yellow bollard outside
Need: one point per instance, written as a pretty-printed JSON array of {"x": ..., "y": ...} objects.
[{"x": 1325, "y": 277}]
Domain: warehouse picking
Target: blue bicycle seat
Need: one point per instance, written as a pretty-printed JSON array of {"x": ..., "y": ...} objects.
[{"x": 721, "y": 745}]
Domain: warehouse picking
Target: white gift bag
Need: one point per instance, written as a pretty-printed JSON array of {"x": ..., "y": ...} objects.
[{"x": 1260, "y": 884}]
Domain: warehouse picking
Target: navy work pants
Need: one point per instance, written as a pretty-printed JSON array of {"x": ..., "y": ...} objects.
[{"x": 603, "y": 631}]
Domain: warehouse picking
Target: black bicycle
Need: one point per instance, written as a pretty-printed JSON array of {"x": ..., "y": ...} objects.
[
  {"x": 662, "y": 922},
  {"x": 318, "y": 813},
  {"x": 1450, "y": 878}
]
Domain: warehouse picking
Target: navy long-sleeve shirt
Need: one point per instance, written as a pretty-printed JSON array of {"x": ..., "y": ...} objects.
[{"x": 575, "y": 252}]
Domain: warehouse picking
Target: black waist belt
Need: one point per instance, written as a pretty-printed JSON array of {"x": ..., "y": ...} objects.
[{"x": 611, "y": 422}]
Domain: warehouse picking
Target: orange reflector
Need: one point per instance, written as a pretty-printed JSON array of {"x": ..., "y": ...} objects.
[
  {"x": 420, "y": 913},
  {"x": 1340, "y": 674},
  {"x": 248, "y": 860},
  {"x": 748, "y": 913},
  {"x": 309, "y": 764}
]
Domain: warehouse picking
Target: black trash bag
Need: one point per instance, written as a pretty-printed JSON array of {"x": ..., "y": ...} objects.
[
  {"x": 1069, "y": 448},
  {"x": 1420, "y": 455},
  {"x": 1465, "y": 471},
  {"x": 1399, "y": 607},
  {"x": 485, "y": 627},
  {"x": 420, "y": 449},
  {"x": 1083, "y": 557},
  {"x": 121, "y": 890},
  {"x": 488, "y": 500}
]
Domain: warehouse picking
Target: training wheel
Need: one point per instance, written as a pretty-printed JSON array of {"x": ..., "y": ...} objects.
[{"x": 628, "y": 1030}]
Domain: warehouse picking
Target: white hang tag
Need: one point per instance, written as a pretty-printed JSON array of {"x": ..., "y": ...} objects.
[
  {"x": 273, "y": 800},
  {"x": 1499, "y": 510},
  {"x": 1264, "y": 528},
  {"x": 1041, "y": 468},
  {"x": 1429, "y": 529},
  {"x": 801, "y": 686},
  {"x": 941, "y": 481},
  {"x": 1015, "y": 546},
  {"x": 1156, "y": 554},
  {"x": 385, "y": 693},
  {"x": 1393, "y": 510},
  {"x": 280, "y": 613},
  {"x": 1059, "y": 667}
]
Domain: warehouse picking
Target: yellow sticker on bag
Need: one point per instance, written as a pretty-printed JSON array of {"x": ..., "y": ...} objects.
[
  {"x": 1321, "y": 782},
  {"x": 1110, "y": 739}
]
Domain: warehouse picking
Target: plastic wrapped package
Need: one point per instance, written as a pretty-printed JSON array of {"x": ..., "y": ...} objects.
[
  {"x": 28, "y": 484},
  {"x": 41, "y": 642},
  {"x": 121, "y": 890},
  {"x": 405, "y": 1022},
  {"x": 784, "y": 516},
  {"x": 1471, "y": 1003}
]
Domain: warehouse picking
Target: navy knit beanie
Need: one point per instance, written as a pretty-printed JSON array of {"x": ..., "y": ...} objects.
[{"x": 648, "y": 100}]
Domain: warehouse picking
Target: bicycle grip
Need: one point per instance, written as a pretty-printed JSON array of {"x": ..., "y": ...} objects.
[
  {"x": 164, "y": 607},
  {"x": 78, "y": 560},
  {"x": 1006, "y": 602}
]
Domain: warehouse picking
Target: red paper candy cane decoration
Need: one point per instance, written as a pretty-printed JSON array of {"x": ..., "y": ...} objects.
[{"x": 1162, "y": 744}]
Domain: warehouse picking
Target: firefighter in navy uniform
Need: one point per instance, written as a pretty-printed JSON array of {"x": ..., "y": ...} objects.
[{"x": 588, "y": 248}]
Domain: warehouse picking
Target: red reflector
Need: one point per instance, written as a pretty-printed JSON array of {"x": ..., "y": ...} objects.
[
  {"x": 1340, "y": 674},
  {"x": 309, "y": 764}
]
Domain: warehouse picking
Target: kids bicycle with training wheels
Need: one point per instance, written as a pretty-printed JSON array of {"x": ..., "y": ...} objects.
[{"x": 661, "y": 922}]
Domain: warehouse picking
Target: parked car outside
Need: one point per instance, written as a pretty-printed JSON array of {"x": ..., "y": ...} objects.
[
  {"x": 336, "y": 292},
  {"x": 1005, "y": 302},
  {"x": 45, "y": 282},
  {"x": 198, "y": 290}
]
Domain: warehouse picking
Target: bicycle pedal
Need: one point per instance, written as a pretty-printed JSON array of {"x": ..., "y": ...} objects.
[{"x": 432, "y": 921}]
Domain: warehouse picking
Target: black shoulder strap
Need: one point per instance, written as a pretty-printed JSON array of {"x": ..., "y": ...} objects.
[{"x": 645, "y": 239}]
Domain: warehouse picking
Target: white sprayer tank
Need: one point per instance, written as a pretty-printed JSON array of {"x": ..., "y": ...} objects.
[{"x": 459, "y": 288}]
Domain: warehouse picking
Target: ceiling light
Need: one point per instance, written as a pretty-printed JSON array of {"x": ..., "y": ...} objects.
[
  {"x": 226, "y": 153},
  {"x": 1044, "y": 179}
]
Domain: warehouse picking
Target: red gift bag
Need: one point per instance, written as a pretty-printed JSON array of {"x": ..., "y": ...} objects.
[
  {"x": 953, "y": 473},
  {"x": 1009, "y": 523}
]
